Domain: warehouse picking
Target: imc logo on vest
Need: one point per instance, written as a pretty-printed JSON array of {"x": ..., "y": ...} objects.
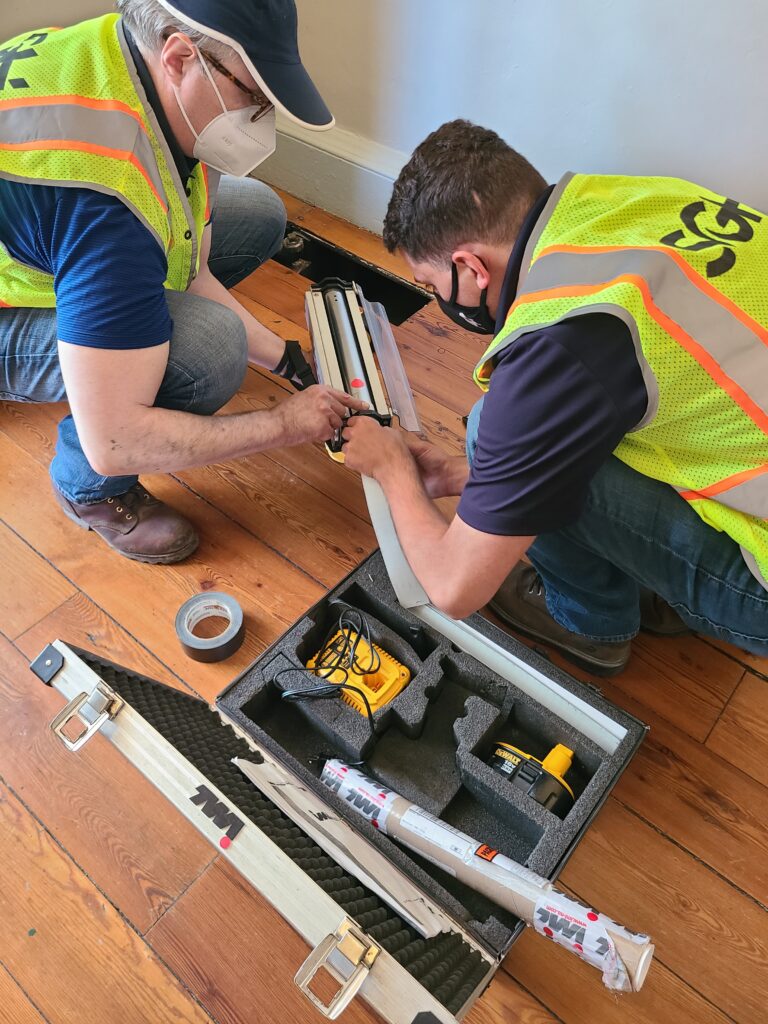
[
  {"x": 730, "y": 224},
  {"x": 21, "y": 51},
  {"x": 219, "y": 813}
]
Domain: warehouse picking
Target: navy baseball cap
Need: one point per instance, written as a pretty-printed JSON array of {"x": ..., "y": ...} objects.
[{"x": 264, "y": 33}]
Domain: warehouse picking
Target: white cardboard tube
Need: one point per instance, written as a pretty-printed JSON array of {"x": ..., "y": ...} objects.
[{"x": 622, "y": 956}]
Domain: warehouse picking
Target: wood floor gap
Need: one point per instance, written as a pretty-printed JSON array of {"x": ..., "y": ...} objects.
[
  {"x": 684, "y": 849},
  {"x": 96, "y": 604},
  {"x": 184, "y": 891},
  {"x": 20, "y": 987},
  {"x": 126, "y": 920},
  {"x": 734, "y": 657},
  {"x": 245, "y": 529}
]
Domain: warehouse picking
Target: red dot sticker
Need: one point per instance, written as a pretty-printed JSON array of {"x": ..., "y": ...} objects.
[
  {"x": 592, "y": 916},
  {"x": 225, "y": 842},
  {"x": 357, "y": 383},
  {"x": 374, "y": 823},
  {"x": 578, "y": 946},
  {"x": 548, "y": 931}
]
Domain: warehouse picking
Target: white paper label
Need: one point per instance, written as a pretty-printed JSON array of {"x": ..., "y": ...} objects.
[
  {"x": 580, "y": 929},
  {"x": 363, "y": 794}
]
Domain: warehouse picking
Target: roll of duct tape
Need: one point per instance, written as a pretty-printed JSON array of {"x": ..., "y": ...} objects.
[{"x": 207, "y": 606}]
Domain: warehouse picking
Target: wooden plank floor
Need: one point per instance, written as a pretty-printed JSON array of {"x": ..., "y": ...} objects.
[{"x": 113, "y": 909}]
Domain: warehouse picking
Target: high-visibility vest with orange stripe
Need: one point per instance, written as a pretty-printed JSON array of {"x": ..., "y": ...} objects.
[
  {"x": 73, "y": 112},
  {"x": 687, "y": 271}
]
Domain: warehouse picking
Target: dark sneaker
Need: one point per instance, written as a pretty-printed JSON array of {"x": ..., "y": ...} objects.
[
  {"x": 520, "y": 602},
  {"x": 659, "y": 618},
  {"x": 135, "y": 525}
]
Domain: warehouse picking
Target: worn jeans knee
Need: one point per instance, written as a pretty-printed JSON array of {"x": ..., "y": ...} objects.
[
  {"x": 248, "y": 228},
  {"x": 208, "y": 355}
]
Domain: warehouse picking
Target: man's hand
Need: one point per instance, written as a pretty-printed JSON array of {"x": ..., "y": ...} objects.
[
  {"x": 369, "y": 448},
  {"x": 315, "y": 413},
  {"x": 443, "y": 475}
]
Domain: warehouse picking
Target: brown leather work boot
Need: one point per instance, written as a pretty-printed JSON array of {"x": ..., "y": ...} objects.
[
  {"x": 520, "y": 602},
  {"x": 135, "y": 525}
]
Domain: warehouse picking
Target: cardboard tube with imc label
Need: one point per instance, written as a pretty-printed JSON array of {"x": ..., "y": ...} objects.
[{"x": 622, "y": 956}]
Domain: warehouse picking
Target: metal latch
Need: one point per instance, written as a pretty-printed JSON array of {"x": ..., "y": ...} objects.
[
  {"x": 102, "y": 702},
  {"x": 353, "y": 955}
]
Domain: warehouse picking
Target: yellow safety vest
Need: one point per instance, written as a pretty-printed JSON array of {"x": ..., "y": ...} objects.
[
  {"x": 73, "y": 112},
  {"x": 686, "y": 271}
]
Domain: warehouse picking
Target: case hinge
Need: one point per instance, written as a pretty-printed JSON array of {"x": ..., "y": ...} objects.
[
  {"x": 102, "y": 702},
  {"x": 347, "y": 956}
]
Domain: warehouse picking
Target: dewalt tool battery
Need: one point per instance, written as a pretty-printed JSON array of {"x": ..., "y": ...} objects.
[{"x": 542, "y": 780}]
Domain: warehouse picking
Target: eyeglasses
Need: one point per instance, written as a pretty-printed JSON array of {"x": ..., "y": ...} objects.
[{"x": 258, "y": 99}]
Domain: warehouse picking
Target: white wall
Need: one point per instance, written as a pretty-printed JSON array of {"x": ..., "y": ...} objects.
[
  {"x": 19, "y": 15},
  {"x": 638, "y": 86}
]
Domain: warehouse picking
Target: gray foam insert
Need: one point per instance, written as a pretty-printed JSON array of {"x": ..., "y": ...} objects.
[{"x": 433, "y": 740}]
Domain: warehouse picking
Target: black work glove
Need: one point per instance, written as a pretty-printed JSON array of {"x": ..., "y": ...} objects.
[{"x": 294, "y": 367}]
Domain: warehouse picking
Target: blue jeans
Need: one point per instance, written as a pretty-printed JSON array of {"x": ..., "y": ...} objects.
[
  {"x": 208, "y": 351},
  {"x": 633, "y": 532}
]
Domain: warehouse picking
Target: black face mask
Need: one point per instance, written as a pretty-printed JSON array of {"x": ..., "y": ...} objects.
[{"x": 472, "y": 318}]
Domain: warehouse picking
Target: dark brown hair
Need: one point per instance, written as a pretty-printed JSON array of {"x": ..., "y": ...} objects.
[{"x": 462, "y": 184}]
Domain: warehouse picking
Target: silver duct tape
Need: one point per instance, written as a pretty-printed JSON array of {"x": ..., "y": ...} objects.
[{"x": 207, "y": 606}]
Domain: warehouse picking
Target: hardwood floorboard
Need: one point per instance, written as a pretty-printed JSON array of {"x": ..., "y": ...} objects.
[
  {"x": 81, "y": 623},
  {"x": 231, "y": 948},
  {"x": 632, "y": 872},
  {"x": 740, "y": 736},
  {"x": 710, "y": 807},
  {"x": 66, "y": 946},
  {"x": 111, "y": 820},
  {"x": 576, "y": 994},
  {"x": 15, "y": 1008},
  {"x": 32, "y": 588}
]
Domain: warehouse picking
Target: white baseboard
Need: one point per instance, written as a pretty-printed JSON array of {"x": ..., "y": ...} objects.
[{"x": 337, "y": 170}]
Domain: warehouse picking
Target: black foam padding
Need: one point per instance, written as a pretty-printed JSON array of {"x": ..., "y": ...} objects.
[
  {"x": 433, "y": 741},
  {"x": 445, "y": 965}
]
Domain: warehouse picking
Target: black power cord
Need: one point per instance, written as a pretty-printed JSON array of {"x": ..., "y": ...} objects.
[{"x": 337, "y": 655}]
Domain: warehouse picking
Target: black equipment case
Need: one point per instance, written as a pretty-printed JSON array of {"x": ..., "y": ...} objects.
[{"x": 471, "y": 687}]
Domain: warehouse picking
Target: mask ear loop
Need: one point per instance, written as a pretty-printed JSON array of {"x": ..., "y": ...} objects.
[
  {"x": 215, "y": 89},
  {"x": 211, "y": 80},
  {"x": 454, "y": 283}
]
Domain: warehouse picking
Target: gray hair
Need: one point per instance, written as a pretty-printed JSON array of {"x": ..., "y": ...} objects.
[{"x": 149, "y": 22}]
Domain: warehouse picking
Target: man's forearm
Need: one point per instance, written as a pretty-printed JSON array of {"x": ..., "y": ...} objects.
[
  {"x": 421, "y": 528},
  {"x": 163, "y": 440}
]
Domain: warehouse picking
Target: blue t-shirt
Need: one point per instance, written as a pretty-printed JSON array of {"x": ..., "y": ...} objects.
[
  {"x": 560, "y": 400},
  {"x": 108, "y": 270}
]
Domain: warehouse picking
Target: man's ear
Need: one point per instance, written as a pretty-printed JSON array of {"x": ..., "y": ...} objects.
[
  {"x": 176, "y": 57},
  {"x": 469, "y": 259}
]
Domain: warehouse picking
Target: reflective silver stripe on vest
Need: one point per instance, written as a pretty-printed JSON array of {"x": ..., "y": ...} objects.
[
  {"x": 751, "y": 496},
  {"x": 169, "y": 160},
  {"x": 540, "y": 225},
  {"x": 71, "y": 122},
  {"x": 97, "y": 187},
  {"x": 738, "y": 351}
]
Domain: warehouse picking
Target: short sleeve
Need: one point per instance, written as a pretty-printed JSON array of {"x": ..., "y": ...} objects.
[
  {"x": 558, "y": 405},
  {"x": 109, "y": 272}
]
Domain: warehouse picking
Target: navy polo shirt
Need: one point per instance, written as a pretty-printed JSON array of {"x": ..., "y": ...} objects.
[
  {"x": 108, "y": 270},
  {"x": 560, "y": 400}
]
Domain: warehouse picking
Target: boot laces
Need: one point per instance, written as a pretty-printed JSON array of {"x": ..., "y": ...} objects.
[{"x": 536, "y": 587}]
